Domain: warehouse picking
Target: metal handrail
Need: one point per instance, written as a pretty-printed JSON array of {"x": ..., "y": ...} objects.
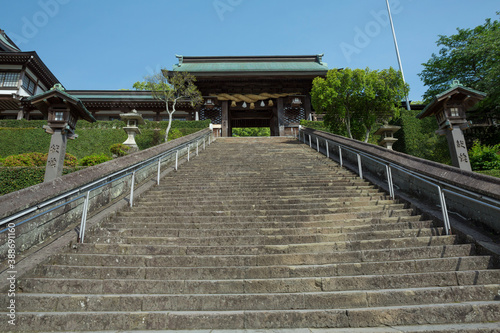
[
  {"x": 131, "y": 170},
  {"x": 389, "y": 166}
]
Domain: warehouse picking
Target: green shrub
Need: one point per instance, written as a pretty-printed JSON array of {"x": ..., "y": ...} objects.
[
  {"x": 317, "y": 125},
  {"x": 251, "y": 131},
  {"x": 484, "y": 157},
  {"x": 174, "y": 133},
  {"x": 94, "y": 160},
  {"x": 16, "y": 178},
  {"x": 36, "y": 160},
  {"x": 119, "y": 149},
  {"x": 70, "y": 160},
  {"x": 417, "y": 137},
  {"x": 19, "y": 160}
]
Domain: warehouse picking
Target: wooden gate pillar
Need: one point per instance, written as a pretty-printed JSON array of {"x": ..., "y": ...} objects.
[{"x": 225, "y": 119}]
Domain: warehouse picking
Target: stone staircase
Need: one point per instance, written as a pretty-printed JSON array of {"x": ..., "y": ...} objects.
[{"x": 263, "y": 233}]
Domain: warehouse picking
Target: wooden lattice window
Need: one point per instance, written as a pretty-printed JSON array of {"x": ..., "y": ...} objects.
[
  {"x": 294, "y": 115},
  {"x": 214, "y": 114}
]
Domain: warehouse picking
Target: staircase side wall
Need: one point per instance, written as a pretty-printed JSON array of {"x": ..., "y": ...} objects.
[
  {"x": 445, "y": 175},
  {"x": 46, "y": 225}
]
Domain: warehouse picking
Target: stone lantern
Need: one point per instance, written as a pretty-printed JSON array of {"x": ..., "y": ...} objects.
[
  {"x": 62, "y": 111},
  {"x": 449, "y": 108},
  {"x": 132, "y": 119},
  {"x": 387, "y": 133}
]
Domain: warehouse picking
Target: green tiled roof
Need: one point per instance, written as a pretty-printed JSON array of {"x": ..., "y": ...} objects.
[
  {"x": 252, "y": 64},
  {"x": 252, "y": 67},
  {"x": 6, "y": 41}
]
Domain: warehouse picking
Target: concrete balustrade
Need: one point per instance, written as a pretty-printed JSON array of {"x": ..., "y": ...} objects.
[{"x": 467, "y": 184}]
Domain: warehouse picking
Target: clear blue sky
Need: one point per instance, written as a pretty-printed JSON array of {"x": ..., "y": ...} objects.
[{"x": 110, "y": 44}]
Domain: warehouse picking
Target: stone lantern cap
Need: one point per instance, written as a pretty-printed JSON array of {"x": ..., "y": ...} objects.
[
  {"x": 457, "y": 94},
  {"x": 132, "y": 118},
  {"x": 387, "y": 129}
]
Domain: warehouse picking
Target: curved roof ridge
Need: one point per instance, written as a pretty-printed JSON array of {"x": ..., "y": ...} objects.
[{"x": 6, "y": 44}]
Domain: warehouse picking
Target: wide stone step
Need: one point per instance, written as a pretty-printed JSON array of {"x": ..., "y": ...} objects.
[
  {"x": 128, "y": 230},
  {"x": 289, "y": 285},
  {"x": 409, "y": 265},
  {"x": 372, "y": 254},
  {"x": 138, "y": 222},
  {"x": 470, "y": 312},
  {"x": 208, "y": 211},
  {"x": 317, "y": 207},
  {"x": 262, "y": 185},
  {"x": 265, "y": 301},
  {"x": 281, "y": 255},
  {"x": 173, "y": 197},
  {"x": 277, "y": 202},
  {"x": 374, "y": 212},
  {"x": 249, "y": 190},
  {"x": 118, "y": 238}
]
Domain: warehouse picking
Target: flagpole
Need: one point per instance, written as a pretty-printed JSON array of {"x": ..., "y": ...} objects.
[{"x": 397, "y": 51}]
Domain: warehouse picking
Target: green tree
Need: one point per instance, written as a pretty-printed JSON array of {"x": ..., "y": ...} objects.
[
  {"x": 171, "y": 88},
  {"x": 354, "y": 101},
  {"x": 471, "y": 56}
]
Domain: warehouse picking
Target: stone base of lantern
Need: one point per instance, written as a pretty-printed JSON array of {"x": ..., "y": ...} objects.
[{"x": 388, "y": 142}]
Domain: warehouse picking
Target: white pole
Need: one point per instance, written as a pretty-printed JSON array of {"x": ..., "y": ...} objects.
[{"x": 397, "y": 51}]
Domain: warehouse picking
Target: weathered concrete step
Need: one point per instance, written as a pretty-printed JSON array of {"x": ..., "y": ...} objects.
[
  {"x": 277, "y": 254},
  {"x": 249, "y": 190},
  {"x": 172, "y": 197},
  {"x": 138, "y": 222},
  {"x": 283, "y": 285},
  {"x": 415, "y": 252},
  {"x": 438, "y": 328},
  {"x": 132, "y": 230},
  {"x": 269, "y": 272},
  {"x": 264, "y": 301},
  {"x": 259, "y": 202},
  {"x": 208, "y": 211},
  {"x": 374, "y": 212},
  {"x": 217, "y": 208},
  {"x": 279, "y": 178},
  {"x": 253, "y": 184},
  {"x": 452, "y": 313},
  {"x": 116, "y": 238}
]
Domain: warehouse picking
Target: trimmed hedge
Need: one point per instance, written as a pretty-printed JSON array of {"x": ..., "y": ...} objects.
[
  {"x": 16, "y": 178},
  {"x": 417, "y": 137},
  {"x": 115, "y": 124},
  {"x": 317, "y": 125},
  {"x": 15, "y": 141}
]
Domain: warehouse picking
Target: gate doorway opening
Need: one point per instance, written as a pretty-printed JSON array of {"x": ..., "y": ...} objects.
[{"x": 251, "y": 131}]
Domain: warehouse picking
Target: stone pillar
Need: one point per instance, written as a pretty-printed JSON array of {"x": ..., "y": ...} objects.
[
  {"x": 225, "y": 119},
  {"x": 458, "y": 149},
  {"x": 55, "y": 159},
  {"x": 197, "y": 115},
  {"x": 281, "y": 117},
  {"x": 20, "y": 114}
]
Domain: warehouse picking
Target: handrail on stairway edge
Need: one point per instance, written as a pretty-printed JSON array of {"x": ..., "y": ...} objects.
[
  {"x": 472, "y": 196},
  {"x": 109, "y": 182}
]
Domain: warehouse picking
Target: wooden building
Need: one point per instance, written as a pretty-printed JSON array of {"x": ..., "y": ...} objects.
[
  {"x": 22, "y": 74},
  {"x": 254, "y": 91}
]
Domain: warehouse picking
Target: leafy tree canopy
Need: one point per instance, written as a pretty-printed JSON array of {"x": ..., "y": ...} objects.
[
  {"x": 471, "y": 56},
  {"x": 171, "y": 88},
  {"x": 354, "y": 101}
]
